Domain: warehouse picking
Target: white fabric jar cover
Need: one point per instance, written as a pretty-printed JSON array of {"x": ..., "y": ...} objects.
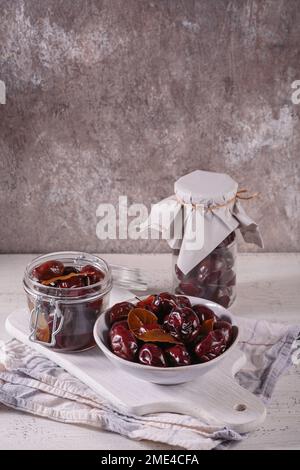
[{"x": 206, "y": 198}]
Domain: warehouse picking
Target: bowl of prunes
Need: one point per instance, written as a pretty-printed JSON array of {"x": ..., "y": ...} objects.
[{"x": 166, "y": 338}]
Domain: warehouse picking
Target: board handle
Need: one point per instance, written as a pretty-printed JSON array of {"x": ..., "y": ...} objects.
[
  {"x": 226, "y": 403},
  {"x": 239, "y": 409}
]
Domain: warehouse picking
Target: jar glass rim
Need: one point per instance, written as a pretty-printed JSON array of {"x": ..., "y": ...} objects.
[{"x": 36, "y": 287}]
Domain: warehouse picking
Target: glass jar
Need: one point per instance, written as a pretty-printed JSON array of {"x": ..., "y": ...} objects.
[
  {"x": 63, "y": 317},
  {"x": 214, "y": 278}
]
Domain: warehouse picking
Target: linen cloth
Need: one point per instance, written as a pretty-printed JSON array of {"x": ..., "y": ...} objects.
[{"x": 34, "y": 384}]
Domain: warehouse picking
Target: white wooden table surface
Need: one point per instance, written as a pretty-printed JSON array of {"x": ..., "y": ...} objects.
[{"x": 268, "y": 287}]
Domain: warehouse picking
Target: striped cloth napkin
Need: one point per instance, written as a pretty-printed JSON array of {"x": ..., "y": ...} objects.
[{"x": 32, "y": 383}]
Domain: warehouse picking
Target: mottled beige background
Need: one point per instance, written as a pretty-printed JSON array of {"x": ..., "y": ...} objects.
[{"x": 122, "y": 97}]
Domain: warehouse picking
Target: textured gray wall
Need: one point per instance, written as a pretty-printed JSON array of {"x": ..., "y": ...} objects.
[{"x": 122, "y": 97}]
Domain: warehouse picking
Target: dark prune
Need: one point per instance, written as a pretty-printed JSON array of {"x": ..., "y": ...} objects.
[
  {"x": 223, "y": 296},
  {"x": 72, "y": 282},
  {"x": 94, "y": 275},
  {"x": 229, "y": 258},
  {"x": 178, "y": 355},
  {"x": 183, "y": 301},
  {"x": 122, "y": 341},
  {"x": 119, "y": 311},
  {"x": 218, "y": 263},
  {"x": 152, "y": 355},
  {"x": 225, "y": 327},
  {"x": 228, "y": 278},
  {"x": 204, "y": 313},
  {"x": 189, "y": 288},
  {"x": 163, "y": 304},
  {"x": 211, "y": 346},
  {"x": 213, "y": 278},
  {"x": 48, "y": 270},
  {"x": 202, "y": 271},
  {"x": 183, "y": 324}
]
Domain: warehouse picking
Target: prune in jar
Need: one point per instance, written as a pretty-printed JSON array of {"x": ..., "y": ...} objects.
[
  {"x": 93, "y": 274},
  {"x": 183, "y": 301},
  {"x": 204, "y": 313},
  {"x": 74, "y": 342},
  {"x": 203, "y": 270},
  {"x": 96, "y": 305},
  {"x": 219, "y": 263},
  {"x": 183, "y": 324},
  {"x": 122, "y": 341},
  {"x": 189, "y": 288},
  {"x": 48, "y": 270},
  {"x": 226, "y": 328},
  {"x": 211, "y": 346},
  {"x": 229, "y": 258},
  {"x": 210, "y": 291},
  {"x": 228, "y": 278},
  {"x": 152, "y": 355},
  {"x": 77, "y": 327},
  {"x": 213, "y": 278},
  {"x": 223, "y": 296},
  {"x": 119, "y": 312},
  {"x": 209, "y": 270},
  {"x": 178, "y": 355},
  {"x": 72, "y": 282},
  {"x": 217, "y": 267}
]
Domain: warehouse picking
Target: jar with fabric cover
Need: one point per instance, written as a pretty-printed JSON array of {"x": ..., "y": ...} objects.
[{"x": 200, "y": 222}]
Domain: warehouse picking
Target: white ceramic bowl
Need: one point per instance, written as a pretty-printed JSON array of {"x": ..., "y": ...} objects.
[{"x": 168, "y": 375}]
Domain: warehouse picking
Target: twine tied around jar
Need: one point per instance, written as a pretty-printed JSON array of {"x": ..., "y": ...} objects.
[{"x": 239, "y": 195}]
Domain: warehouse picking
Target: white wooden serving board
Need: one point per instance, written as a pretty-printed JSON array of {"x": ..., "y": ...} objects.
[{"x": 215, "y": 396}]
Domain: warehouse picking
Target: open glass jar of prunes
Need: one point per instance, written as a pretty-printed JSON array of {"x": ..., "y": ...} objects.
[
  {"x": 214, "y": 278},
  {"x": 66, "y": 293}
]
